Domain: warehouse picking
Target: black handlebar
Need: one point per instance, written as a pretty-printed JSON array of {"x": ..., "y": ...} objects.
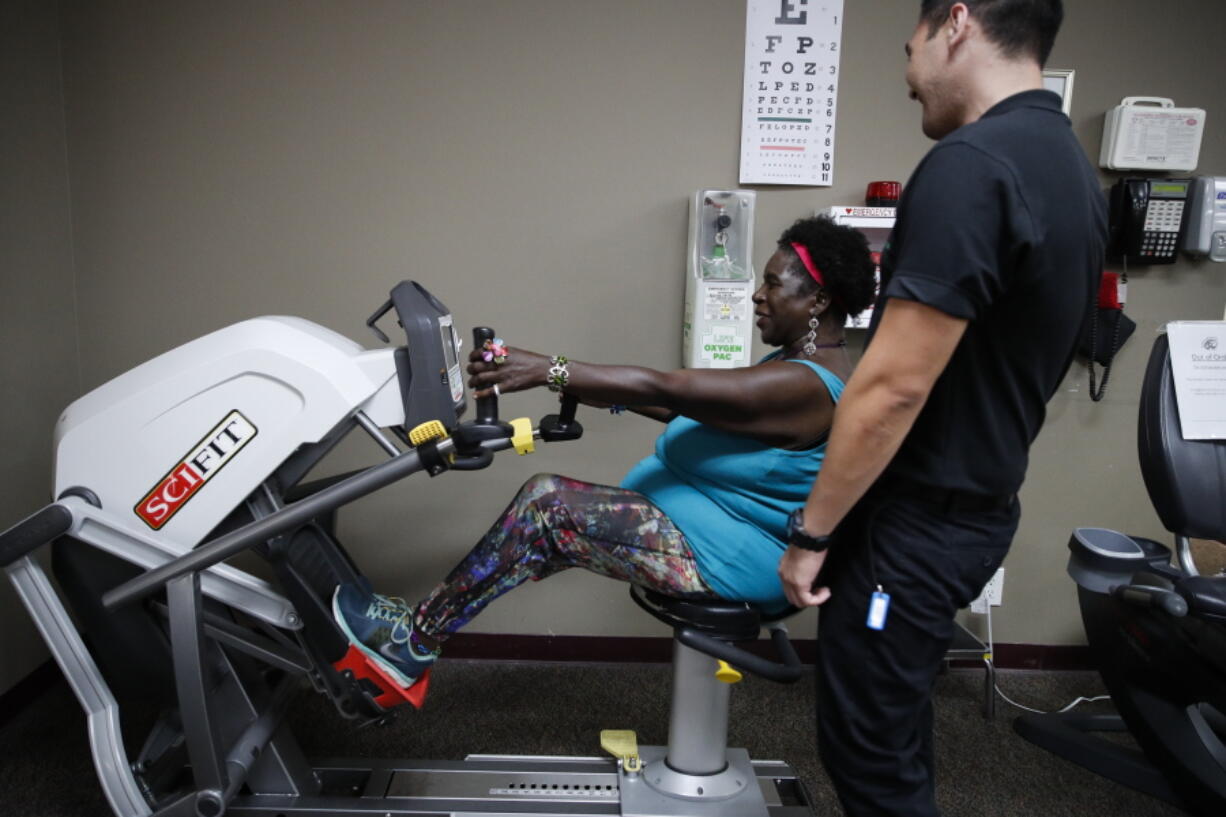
[
  {"x": 1143, "y": 595},
  {"x": 786, "y": 671},
  {"x": 562, "y": 426},
  {"x": 487, "y": 407},
  {"x": 470, "y": 455},
  {"x": 33, "y": 532}
]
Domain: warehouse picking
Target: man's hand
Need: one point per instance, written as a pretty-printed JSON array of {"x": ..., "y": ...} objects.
[{"x": 798, "y": 571}]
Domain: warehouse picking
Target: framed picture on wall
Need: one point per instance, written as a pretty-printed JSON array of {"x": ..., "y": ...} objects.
[{"x": 1060, "y": 83}]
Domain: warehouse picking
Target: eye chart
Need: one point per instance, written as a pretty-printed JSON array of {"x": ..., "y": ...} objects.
[{"x": 791, "y": 91}]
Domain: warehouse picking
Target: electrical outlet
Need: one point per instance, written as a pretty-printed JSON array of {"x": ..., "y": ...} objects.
[{"x": 993, "y": 593}]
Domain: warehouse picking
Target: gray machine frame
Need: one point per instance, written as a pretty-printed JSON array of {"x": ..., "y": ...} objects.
[{"x": 241, "y": 756}]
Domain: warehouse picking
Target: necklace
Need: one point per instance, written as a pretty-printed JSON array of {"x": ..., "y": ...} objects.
[{"x": 816, "y": 346}]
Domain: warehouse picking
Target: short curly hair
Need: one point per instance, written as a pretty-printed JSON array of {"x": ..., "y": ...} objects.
[{"x": 842, "y": 255}]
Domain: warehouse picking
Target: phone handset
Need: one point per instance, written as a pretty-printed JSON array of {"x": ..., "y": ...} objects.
[{"x": 1108, "y": 322}]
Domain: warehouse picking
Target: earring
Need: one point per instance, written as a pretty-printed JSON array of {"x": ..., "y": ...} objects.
[{"x": 811, "y": 338}]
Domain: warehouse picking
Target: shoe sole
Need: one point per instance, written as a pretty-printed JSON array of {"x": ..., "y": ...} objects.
[{"x": 385, "y": 665}]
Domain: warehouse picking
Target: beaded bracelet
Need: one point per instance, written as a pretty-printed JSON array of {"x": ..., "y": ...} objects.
[{"x": 558, "y": 376}]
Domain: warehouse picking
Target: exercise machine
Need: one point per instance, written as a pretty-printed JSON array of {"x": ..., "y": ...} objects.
[
  {"x": 1157, "y": 630},
  {"x": 204, "y": 452}
]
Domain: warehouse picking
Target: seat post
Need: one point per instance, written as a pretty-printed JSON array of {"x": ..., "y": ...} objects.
[{"x": 698, "y": 724}]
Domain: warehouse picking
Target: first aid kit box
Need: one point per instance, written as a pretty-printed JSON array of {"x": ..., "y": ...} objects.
[{"x": 1150, "y": 133}]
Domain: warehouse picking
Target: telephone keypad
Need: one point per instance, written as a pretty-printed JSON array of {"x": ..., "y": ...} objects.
[{"x": 1162, "y": 220}]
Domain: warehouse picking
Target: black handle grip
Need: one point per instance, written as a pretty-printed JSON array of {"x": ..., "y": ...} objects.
[
  {"x": 566, "y": 415},
  {"x": 1142, "y": 595},
  {"x": 562, "y": 426},
  {"x": 33, "y": 532},
  {"x": 487, "y": 407},
  {"x": 787, "y": 671}
]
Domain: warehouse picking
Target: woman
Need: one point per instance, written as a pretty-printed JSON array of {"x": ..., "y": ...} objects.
[{"x": 702, "y": 518}]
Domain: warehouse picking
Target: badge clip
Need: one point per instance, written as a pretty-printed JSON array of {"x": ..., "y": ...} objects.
[{"x": 878, "y": 608}]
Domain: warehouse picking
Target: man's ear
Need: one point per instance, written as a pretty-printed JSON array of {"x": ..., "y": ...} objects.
[{"x": 959, "y": 24}]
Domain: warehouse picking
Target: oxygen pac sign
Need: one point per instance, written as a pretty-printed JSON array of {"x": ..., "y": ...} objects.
[{"x": 197, "y": 467}]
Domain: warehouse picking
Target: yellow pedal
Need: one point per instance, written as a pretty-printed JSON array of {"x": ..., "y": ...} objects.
[
  {"x": 427, "y": 431},
  {"x": 727, "y": 673},
  {"x": 521, "y": 436},
  {"x": 622, "y": 744}
]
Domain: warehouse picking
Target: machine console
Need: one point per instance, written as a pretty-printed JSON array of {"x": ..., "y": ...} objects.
[{"x": 430, "y": 367}]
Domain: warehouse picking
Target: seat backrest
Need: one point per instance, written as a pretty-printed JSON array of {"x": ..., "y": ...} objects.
[{"x": 1186, "y": 479}]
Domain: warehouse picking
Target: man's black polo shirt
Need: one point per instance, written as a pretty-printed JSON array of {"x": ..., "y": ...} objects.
[{"x": 1003, "y": 223}]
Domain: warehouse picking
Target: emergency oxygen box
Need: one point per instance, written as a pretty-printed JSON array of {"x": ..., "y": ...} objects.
[
  {"x": 1150, "y": 133},
  {"x": 718, "y": 326}
]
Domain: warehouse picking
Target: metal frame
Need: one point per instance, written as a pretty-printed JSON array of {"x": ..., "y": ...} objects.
[{"x": 230, "y": 720}]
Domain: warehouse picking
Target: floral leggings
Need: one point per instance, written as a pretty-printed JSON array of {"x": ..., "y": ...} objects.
[{"x": 555, "y": 523}]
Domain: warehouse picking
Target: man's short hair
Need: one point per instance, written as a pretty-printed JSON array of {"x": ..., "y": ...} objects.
[{"x": 1020, "y": 28}]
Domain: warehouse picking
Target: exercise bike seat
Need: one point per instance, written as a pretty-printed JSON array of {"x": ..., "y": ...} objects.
[
  {"x": 1206, "y": 595},
  {"x": 725, "y": 620}
]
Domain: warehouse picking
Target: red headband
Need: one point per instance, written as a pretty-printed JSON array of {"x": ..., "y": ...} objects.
[{"x": 807, "y": 260}]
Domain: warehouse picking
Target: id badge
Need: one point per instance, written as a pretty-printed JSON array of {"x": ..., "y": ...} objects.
[{"x": 878, "y": 608}]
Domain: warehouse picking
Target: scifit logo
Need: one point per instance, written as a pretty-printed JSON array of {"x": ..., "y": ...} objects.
[
  {"x": 1209, "y": 344},
  {"x": 197, "y": 467}
]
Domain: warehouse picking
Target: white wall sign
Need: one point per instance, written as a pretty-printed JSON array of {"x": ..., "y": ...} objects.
[
  {"x": 1198, "y": 365},
  {"x": 791, "y": 95}
]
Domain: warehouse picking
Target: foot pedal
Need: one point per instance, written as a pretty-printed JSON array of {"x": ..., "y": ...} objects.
[
  {"x": 391, "y": 694},
  {"x": 623, "y": 744}
]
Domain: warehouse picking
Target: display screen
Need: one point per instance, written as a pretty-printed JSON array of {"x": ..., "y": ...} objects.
[
  {"x": 449, "y": 344},
  {"x": 1168, "y": 189}
]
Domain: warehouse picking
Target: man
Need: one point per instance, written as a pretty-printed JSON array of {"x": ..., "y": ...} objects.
[{"x": 986, "y": 281}]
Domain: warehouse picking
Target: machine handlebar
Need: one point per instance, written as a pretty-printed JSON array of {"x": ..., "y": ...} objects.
[
  {"x": 487, "y": 407},
  {"x": 786, "y": 671},
  {"x": 1142, "y": 595},
  {"x": 33, "y": 532}
]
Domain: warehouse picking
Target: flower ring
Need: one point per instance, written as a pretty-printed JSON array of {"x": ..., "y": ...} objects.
[{"x": 495, "y": 351}]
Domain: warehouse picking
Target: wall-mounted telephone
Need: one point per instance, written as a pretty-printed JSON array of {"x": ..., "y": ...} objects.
[
  {"x": 1146, "y": 219},
  {"x": 1205, "y": 231}
]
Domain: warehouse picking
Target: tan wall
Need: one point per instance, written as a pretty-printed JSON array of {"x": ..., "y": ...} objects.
[
  {"x": 531, "y": 162},
  {"x": 38, "y": 335}
]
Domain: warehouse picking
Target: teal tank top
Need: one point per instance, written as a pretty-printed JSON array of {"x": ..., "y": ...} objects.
[{"x": 731, "y": 496}]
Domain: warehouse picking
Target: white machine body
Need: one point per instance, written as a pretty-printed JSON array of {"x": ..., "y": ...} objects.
[{"x": 154, "y": 443}]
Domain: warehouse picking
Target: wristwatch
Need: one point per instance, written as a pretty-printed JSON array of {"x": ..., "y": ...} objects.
[{"x": 800, "y": 538}]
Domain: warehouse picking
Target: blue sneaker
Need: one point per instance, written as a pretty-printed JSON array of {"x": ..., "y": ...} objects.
[{"x": 382, "y": 628}]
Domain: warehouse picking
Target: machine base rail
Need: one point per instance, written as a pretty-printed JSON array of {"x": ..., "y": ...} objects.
[
  {"x": 513, "y": 785},
  {"x": 1068, "y": 734}
]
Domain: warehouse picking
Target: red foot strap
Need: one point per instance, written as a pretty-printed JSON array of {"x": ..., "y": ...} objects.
[{"x": 391, "y": 693}]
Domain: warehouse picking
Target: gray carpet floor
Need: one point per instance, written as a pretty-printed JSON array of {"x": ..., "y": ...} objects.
[{"x": 984, "y": 769}]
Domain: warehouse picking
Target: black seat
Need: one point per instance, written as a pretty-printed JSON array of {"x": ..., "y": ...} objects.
[{"x": 725, "y": 620}]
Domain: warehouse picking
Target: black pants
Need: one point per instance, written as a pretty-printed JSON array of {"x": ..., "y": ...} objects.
[{"x": 874, "y": 688}]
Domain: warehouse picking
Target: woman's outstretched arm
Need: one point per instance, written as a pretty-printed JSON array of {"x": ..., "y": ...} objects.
[{"x": 779, "y": 403}]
